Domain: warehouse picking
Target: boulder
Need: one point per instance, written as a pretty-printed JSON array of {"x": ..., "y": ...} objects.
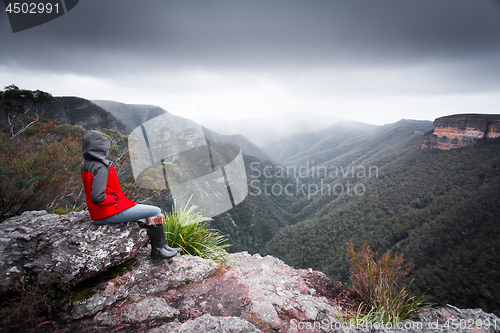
[
  {"x": 67, "y": 249},
  {"x": 255, "y": 294},
  {"x": 208, "y": 323},
  {"x": 148, "y": 281},
  {"x": 262, "y": 291}
]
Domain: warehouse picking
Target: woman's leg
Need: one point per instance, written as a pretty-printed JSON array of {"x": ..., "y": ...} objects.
[
  {"x": 154, "y": 217},
  {"x": 134, "y": 213}
]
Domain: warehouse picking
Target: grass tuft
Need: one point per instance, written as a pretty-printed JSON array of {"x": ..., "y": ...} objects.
[
  {"x": 380, "y": 286},
  {"x": 190, "y": 230}
]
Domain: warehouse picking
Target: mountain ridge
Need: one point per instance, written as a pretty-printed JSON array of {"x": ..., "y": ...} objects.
[
  {"x": 293, "y": 150},
  {"x": 264, "y": 131},
  {"x": 136, "y": 114}
]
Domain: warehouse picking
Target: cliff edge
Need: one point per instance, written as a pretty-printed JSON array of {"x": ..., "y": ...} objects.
[
  {"x": 462, "y": 130},
  {"x": 184, "y": 295}
]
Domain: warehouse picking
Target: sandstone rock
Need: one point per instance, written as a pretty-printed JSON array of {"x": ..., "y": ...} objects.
[
  {"x": 261, "y": 290},
  {"x": 447, "y": 319},
  {"x": 189, "y": 294},
  {"x": 145, "y": 284},
  {"x": 168, "y": 327},
  {"x": 208, "y": 323},
  {"x": 256, "y": 294},
  {"x": 493, "y": 129},
  {"x": 459, "y": 131},
  {"x": 68, "y": 248},
  {"x": 151, "y": 308},
  {"x": 453, "y": 319},
  {"x": 277, "y": 291}
]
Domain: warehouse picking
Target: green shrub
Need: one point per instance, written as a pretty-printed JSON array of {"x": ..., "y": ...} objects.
[
  {"x": 380, "y": 286},
  {"x": 189, "y": 230},
  {"x": 37, "y": 171}
]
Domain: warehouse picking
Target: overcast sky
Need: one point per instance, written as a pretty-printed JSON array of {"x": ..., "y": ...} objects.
[{"x": 375, "y": 61}]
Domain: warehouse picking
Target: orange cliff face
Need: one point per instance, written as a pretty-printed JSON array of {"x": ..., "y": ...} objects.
[
  {"x": 455, "y": 133},
  {"x": 493, "y": 130},
  {"x": 459, "y": 131}
]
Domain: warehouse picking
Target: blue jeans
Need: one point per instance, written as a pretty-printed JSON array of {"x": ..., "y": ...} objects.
[{"x": 134, "y": 213}]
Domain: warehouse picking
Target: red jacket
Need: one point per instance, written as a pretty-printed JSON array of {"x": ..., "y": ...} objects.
[{"x": 104, "y": 195}]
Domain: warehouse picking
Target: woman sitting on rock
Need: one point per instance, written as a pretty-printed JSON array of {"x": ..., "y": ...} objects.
[{"x": 108, "y": 204}]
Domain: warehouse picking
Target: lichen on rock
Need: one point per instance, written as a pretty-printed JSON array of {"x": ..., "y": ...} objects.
[{"x": 64, "y": 249}]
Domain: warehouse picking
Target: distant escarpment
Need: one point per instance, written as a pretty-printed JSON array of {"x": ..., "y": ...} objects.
[{"x": 459, "y": 131}]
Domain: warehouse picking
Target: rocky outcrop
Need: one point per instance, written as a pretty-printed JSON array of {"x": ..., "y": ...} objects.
[
  {"x": 459, "y": 131},
  {"x": 53, "y": 248},
  {"x": 260, "y": 290},
  {"x": 255, "y": 294},
  {"x": 140, "y": 294},
  {"x": 189, "y": 294},
  {"x": 493, "y": 129}
]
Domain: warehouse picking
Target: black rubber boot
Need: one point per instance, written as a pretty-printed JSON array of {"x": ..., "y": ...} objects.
[
  {"x": 176, "y": 249},
  {"x": 158, "y": 242},
  {"x": 165, "y": 246}
]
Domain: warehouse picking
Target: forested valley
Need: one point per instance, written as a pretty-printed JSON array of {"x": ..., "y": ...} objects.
[{"x": 438, "y": 208}]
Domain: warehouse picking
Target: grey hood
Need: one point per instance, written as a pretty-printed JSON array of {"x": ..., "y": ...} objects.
[{"x": 95, "y": 146}]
